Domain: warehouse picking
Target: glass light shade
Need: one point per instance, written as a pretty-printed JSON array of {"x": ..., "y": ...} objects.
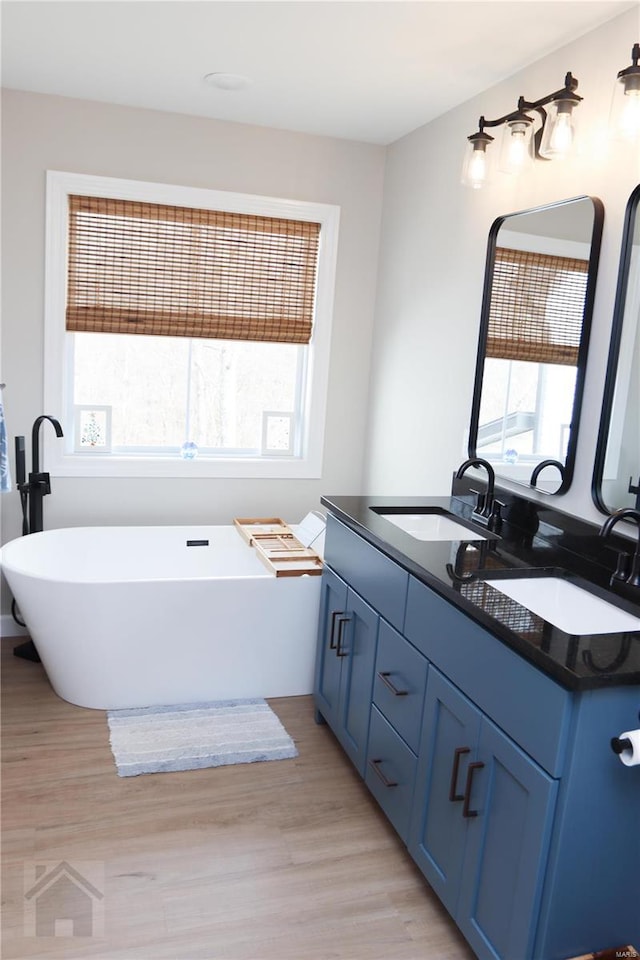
[
  {"x": 625, "y": 108},
  {"x": 476, "y": 169},
  {"x": 515, "y": 149},
  {"x": 559, "y": 132}
]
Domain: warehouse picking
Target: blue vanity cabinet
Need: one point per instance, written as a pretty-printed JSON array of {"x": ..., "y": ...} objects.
[
  {"x": 481, "y": 823},
  {"x": 376, "y": 578},
  {"x": 437, "y": 834},
  {"x": 333, "y": 604},
  {"x": 399, "y": 684},
  {"x": 390, "y": 772},
  {"x": 500, "y": 780},
  {"x": 345, "y": 661},
  {"x": 506, "y": 849},
  {"x": 396, "y": 721}
]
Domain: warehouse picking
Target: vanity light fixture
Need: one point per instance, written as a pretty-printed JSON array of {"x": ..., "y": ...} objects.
[
  {"x": 625, "y": 106},
  {"x": 521, "y": 141}
]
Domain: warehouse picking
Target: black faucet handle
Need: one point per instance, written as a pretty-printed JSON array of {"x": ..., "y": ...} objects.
[
  {"x": 622, "y": 567},
  {"x": 495, "y": 519},
  {"x": 481, "y": 503},
  {"x": 633, "y": 577},
  {"x": 40, "y": 482},
  {"x": 627, "y": 567}
]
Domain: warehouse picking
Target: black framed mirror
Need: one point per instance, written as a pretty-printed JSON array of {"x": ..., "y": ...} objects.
[
  {"x": 537, "y": 305},
  {"x": 616, "y": 475}
]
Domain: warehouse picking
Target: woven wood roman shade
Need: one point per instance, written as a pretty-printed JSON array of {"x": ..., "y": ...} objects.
[
  {"x": 148, "y": 268},
  {"x": 537, "y": 307}
]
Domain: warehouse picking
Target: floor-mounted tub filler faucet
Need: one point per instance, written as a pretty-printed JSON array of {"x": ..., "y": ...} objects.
[
  {"x": 32, "y": 491},
  {"x": 39, "y": 483},
  {"x": 487, "y": 509},
  {"x": 627, "y": 568}
]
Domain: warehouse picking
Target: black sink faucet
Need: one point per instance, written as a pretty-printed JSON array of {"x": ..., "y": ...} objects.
[
  {"x": 626, "y": 572},
  {"x": 486, "y": 510},
  {"x": 39, "y": 484}
]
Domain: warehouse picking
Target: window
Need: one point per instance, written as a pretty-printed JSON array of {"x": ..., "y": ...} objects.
[
  {"x": 187, "y": 330},
  {"x": 526, "y": 411}
]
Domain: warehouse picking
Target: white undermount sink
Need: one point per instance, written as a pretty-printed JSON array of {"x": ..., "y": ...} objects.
[
  {"x": 431, "y": 526},
  {"x": 567, "y": 606}
]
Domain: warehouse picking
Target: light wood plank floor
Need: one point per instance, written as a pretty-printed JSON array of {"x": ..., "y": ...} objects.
[{"x": 287, "y": 860}]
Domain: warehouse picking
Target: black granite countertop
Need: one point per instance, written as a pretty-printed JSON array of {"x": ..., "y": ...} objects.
[{"x": 459, "y": 570}]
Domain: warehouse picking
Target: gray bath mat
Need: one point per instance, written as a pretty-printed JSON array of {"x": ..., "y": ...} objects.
[{"x": 191, "y": 736}]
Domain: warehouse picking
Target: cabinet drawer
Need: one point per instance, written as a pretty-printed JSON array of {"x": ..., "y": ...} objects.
[
  {"x": 400, "y": 682},
  {"x": 390, "y": 773},
  {"x": 375, "y": 577},
  {"x": 533, "y": 708}
]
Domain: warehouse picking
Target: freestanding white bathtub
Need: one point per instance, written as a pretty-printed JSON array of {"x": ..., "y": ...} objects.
[{"x": 132, "y": 616}]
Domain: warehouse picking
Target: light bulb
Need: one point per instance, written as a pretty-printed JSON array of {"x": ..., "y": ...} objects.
[
  {"x": 561, "y": 135},
  {"x": 477, "y": 164},
  {"x": 517, "y": 150},
  {"x": 624, "y": 121},
  {"x": 559, "y": 131},
  {"x": 477, "y": 169},
  {"x": 557, "y": 138},
  {"x": 629, "y": 121}
]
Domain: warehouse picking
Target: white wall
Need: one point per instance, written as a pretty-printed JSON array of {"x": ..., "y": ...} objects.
[
  {"x": 44, "y": 132},
  {"x": 434, "y": 234},
  {"x": 433, "y": 250}
]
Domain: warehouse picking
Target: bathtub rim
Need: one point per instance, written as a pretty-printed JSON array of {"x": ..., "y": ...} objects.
[{"x": 193, "y": 531}]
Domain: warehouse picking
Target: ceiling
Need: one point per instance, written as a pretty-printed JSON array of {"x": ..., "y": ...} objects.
[{"x": 365, "y": 70}]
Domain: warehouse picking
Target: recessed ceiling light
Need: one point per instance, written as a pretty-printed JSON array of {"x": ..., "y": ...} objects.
[{"x": 227, "y": 81}]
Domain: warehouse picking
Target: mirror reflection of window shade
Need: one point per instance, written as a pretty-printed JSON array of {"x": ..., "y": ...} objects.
[
  {"x": 161, "y": 270},
  {"x": 537, "y": 307}
]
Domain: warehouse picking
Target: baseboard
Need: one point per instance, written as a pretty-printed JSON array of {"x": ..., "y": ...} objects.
[{"x": 9, "y": 628}]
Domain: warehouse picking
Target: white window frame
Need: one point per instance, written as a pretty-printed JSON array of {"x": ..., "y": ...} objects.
[{"x": 61, "y": 458}]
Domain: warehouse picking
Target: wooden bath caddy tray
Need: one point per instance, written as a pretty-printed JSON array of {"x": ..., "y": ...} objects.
[{"x": 278, "y": 547}]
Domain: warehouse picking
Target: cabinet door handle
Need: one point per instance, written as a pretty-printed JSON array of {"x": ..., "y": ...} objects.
[
  {"x": 457, "y": 753},
  {"x": 384, "y": 676},
  {"x": 332, "y": 633},
  {"x": 466, "y": 812},
  {"x": 375, "y": 766},
  {"x": 340, "y": 651}
]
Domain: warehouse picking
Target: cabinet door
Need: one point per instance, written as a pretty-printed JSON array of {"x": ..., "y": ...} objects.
[
  {"x": 333, "y": 606},
  {"x": 509, "y": 814},
  {"x": 450, "y": 731},
  {"x": 357, "y": 634}
]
